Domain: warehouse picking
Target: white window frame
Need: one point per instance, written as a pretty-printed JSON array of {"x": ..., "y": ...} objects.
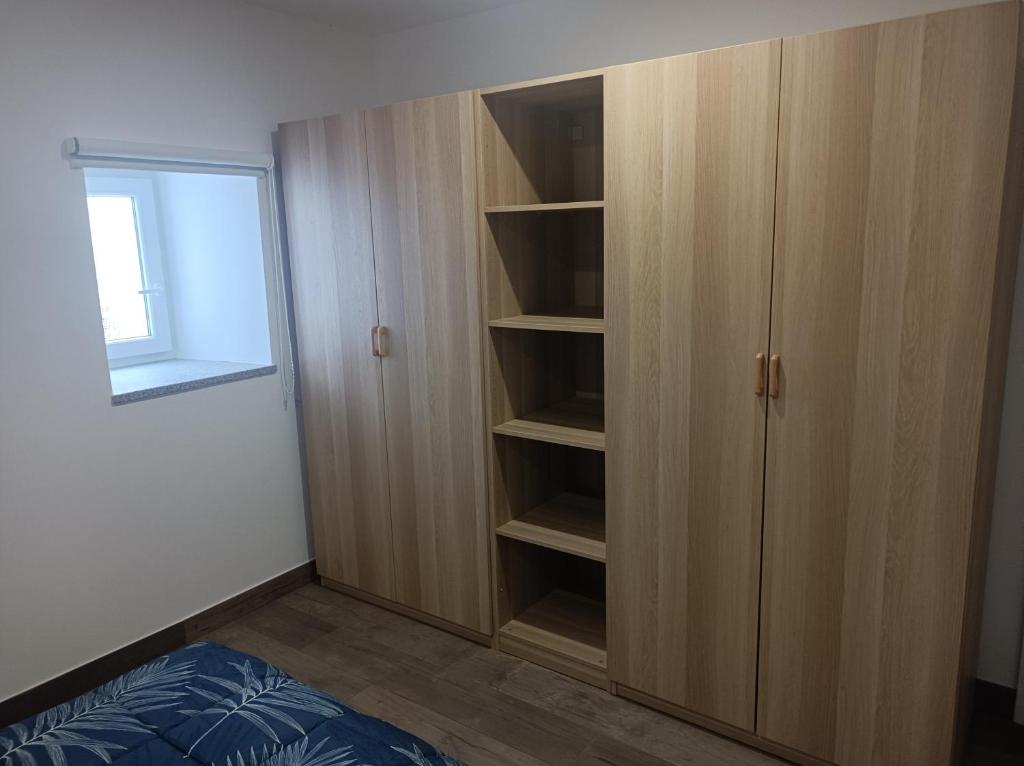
[{"x": 147, "y": 217}]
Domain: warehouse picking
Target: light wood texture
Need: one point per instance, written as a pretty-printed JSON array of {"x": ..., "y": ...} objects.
[
  {"x": 548, "y": 207},
  {"x": 469, "y": 634},
  {"x": 557, "y": 88},
  {"x": 423, "y": 191},
  {"x": 549, "y": 264},
  {"x": 759, "y": 374},
  {"x": 893, "y": 143},
  {"x": 540, "y": 170},
  {"x": 325, "y": 184},
  {"x": 774, "y": 376},
  {"x": 543, "y": 654},
  {"x": 569, "y": 522},
  {"x": 553, "y": 603},
  {"x": 547, "y": 385},
  {"x": 526, "y": 154},
  {"x": 481, "y": 706},
  {"x": 557, "y": 371},
  {"x": 551, "y": 323},
  {"x": 555, "y": 426},
  {"x": 562, "y": 623},
  {"x": 739, "y": 735},
  {"x": 550, "y": 495},
  {"x": 689, "y": 213}
]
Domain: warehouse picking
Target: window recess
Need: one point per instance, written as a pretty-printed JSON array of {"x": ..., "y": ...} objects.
[{"x": 186, "y": 247}]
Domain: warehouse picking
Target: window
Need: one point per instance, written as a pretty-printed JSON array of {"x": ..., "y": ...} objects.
[
  {"x": 123, "y": 220},
  {"x": 185, "y": 293}
]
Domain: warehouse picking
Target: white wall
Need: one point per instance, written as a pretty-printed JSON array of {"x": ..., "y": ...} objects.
[
  {"x": 547, "y": 37},
  {"x": 116, "y": 521},
  {"x": 538, "y": 38},
  {"x": 214, "y": 266}
]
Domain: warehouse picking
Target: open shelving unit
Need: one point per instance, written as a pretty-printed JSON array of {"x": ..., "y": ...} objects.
[{"x": 541, "y": 182}]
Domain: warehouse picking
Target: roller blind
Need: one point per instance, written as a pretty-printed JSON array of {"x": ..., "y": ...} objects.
[{"x": 95, "y": 152}]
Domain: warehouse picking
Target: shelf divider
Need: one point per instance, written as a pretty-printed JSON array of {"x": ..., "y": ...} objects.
[
  {"x": 552, "y": 323},
  {"x": 574, "y": 423},
  {"x": 546, "y": 207},
  {"x": 569, "y": 523}
]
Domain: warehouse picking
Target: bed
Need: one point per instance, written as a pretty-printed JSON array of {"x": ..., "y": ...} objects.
[{"x": 208, "y": 705}]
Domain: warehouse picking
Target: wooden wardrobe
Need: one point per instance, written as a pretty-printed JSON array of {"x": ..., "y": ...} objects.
[
  {"x": 681, "y": 377},
  {"x": 382, "y": 242}
]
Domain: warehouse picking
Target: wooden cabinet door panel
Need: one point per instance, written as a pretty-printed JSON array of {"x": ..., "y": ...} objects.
[
  {"x": 893, "y": 140},
  {"x": 331, "y": 254},
  {"x": 689, "y": 201},
  {"x": 423, "y": 186}
]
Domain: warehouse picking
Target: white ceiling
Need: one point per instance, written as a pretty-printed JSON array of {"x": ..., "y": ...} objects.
[{"x": 377, "y": 17}]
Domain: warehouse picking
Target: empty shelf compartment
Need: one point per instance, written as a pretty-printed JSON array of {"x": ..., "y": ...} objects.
[
  {"x": 567, "y": 522},
  {"x": 552, "y": 604},
  {"x": 566, "y": 624},
  {"x": 548, "y": 265},
  {"x": 543, "y": 144},
  {"x": 551, "y": 386}
]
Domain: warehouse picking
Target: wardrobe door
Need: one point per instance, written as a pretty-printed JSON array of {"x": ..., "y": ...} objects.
[
  {"x": 422, "y": 180},
  {"x": 689, "y": 202},
  {"x": 326, "y": 191},
  {"x": 893, "y": 141}
]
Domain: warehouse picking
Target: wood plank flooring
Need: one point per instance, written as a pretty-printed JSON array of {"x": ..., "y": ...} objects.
[{"x": 478, "y": 705}]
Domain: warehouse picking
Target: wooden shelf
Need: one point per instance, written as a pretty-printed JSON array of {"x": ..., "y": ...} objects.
[
  {"x": 575, "y": 423},
  {"x": 546, "y": 207},
  {"x": 582, "y": 87},
  {"x": 569, "y": 523},
  {"x": 578, "y": 322},
  {"x": 565, "y": 624}
]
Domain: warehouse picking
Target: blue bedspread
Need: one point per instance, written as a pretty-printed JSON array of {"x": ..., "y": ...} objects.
[{"x": 209, "y": 705}]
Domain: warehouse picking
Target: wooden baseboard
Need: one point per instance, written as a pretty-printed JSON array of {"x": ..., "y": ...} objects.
[
  {"x": 250, "y": 600},
  {"x": 717, "y": 727},
  {"x": 405, "y": 611},
  {"x": 99, "y": 671}
]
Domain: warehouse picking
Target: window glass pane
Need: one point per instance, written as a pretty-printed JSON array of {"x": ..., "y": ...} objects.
[{"x": 115, "y": 246}]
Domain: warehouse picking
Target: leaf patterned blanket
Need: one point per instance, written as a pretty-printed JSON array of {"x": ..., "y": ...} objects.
[{"x": 207, "y": 705}]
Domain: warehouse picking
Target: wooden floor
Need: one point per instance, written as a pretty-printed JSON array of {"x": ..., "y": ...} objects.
[{"x": 478, "y": 705}]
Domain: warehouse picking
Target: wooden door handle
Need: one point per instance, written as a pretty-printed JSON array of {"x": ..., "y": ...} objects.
[
  {"x": 759, "y": 375},
  {"x": 773, "y": 376},
  {"x": 375, "y": 340},
  {"x": 379, "y": 340}
]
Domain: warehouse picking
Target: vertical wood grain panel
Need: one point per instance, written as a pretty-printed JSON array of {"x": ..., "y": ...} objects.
[
  {"x": 423, "y": 190},
  {"x": 690, "y": 162},
  {"x": 326, "y": 193},
  {"x": 893, "y": 140}
]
